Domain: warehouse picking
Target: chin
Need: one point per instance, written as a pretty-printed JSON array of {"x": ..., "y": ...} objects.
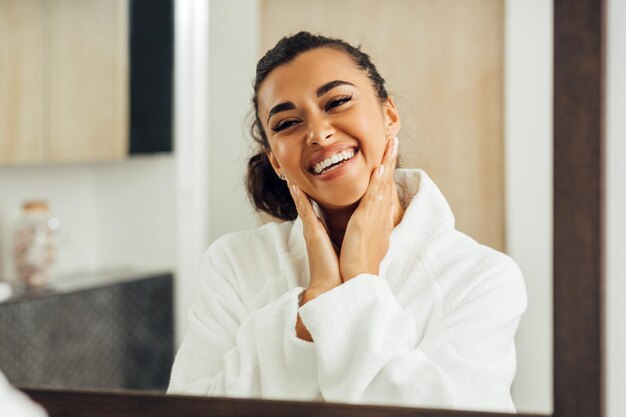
[{"x": 344, "y": 197}]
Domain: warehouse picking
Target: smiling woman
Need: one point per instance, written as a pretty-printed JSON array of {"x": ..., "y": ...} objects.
[
  {"x": 325, "y": 119},
  {"x": 366, "y": 292}
]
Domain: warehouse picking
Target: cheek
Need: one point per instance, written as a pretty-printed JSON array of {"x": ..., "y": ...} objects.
[
  {"x": 289, "y": 156},
  {"x": 370, "y": 131},
  {"x": 373, "y": 146}
]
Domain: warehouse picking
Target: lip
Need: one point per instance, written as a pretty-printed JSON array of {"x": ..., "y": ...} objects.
[
  {"x": 328, "y": 152},
  {"x": 340, "y": 170}
]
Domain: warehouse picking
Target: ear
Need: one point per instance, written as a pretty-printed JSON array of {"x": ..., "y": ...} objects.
[
  {"x": 272, "y": 159},
  {"x": 392, "y": 118}
]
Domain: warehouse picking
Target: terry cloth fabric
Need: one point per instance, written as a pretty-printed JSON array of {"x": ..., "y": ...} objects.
[
  {"x": 15, "y": 403},
  {"x": 434, "y": 329}
]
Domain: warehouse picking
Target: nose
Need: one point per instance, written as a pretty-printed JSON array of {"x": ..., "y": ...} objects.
[{"x": 320, "y": 132}]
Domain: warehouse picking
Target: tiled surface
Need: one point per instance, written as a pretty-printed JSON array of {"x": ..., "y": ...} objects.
[{"x": 118, "y": 336}]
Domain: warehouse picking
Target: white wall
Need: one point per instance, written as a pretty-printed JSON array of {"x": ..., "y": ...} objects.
[
  {"x": 70, "y": 193},
  {"x": 136, "y": 212},
  {"x": 191, "y": 125},
  {"x": 211, "y": 140},
  {"x": 114, "y": 215},
  {"x": 616, "y": 208},
  {"x": 233, "y": 36},
  {"x": 528, "y": 156}
]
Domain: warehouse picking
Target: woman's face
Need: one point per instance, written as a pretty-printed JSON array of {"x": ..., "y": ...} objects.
[{"x": 326, "y": 127}]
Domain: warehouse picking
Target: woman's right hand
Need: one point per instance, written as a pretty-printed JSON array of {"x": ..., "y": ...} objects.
[{"x": 323, "y": 260}]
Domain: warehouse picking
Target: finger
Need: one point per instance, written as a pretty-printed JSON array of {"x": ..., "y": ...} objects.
[
  {"x": 374, "y": 188},
  {"x": 303, "y": 204},
  {"x": 393, "y": 151},
  {"x": 390, "y": 163},
  {"x": 377, "y": 176},
  {"x": 384, "y": 172},
  {"x": 296, "y": 195},
  {"x": 391, "y": 154}
]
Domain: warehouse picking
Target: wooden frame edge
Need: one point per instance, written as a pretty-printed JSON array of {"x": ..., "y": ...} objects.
[
  {"x": 61, "y": 402},
  {"x": 579, "y": 70}
]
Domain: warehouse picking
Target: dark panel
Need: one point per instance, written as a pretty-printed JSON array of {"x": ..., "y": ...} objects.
[
  {"x": 578, "y": 207},
  {"x": 117, "y": 337},
  {"x": 151, "y": 70}
]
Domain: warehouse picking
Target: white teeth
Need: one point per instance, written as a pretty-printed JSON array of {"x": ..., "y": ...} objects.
[{"x": 341, "y": 156}]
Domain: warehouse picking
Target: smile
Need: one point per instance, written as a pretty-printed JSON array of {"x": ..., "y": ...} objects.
[{"x": 333, "y": 161}]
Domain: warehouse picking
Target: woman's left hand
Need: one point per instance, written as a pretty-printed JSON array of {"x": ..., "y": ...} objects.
[{"x": 366, "y": 240}]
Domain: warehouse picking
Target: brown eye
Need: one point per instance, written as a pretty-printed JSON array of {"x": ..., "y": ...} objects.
[{"x": 337, "y": 102}]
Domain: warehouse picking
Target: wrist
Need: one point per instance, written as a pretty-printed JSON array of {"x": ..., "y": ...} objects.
[
  {"x": 313, "y": 292},
  {"x": 309, "y": 295},
  {"x": 350, "y": 273}
]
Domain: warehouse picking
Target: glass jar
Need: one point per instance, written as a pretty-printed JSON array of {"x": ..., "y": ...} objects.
[{"x": 35, "y": 244}]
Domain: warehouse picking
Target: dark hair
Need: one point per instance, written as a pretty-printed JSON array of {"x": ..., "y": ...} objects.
[{"x": 266, "y": 191}]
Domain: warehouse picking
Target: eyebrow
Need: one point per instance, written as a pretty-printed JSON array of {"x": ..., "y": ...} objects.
[
  {"x": 288, "y": 105},
  {"x": 323, "y": 89}
]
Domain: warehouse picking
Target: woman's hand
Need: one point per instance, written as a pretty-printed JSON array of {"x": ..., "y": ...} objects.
[
  {"x": 323, "y": 260},
  {"x": 366, "y": 241}
]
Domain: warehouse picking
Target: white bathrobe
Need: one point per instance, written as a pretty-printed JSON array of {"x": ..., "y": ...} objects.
[
  {"x": 14, "y": 403},
  {"x": 435, "y": 329}
]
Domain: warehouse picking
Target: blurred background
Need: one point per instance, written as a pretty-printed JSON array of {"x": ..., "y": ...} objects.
[{"x": 129, "y": 118}]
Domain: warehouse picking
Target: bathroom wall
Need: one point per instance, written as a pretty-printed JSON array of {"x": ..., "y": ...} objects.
[
  {"x": 528, "y": 169},
  {"x": 136, "y": 212},
  {"x": 114, "y": 215},
  {"x": 213, "y": 91},
  {"x": 231, "y": 71},
  {"x": 70, "y": 192},
  {"x": 615, "y": 225}
]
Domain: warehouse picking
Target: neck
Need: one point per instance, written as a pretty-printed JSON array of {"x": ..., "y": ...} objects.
[
  {"x": 337, "y": 218},
  {"x": 337, "y": 222}
]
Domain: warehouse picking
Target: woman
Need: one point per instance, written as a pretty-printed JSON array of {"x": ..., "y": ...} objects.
[{"x": 366, "y": 293}]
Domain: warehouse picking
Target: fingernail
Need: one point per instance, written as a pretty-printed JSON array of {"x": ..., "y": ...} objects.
[
  {"x": 295, "y": 189},
  {"x": 381, "y": 171},
  {"x": 394, "y": 151}
]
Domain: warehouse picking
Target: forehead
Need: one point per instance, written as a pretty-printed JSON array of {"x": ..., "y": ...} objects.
[{"x": 305, "y": 74}]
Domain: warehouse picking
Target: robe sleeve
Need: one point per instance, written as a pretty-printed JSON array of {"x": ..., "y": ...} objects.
[
  {"x": 15, "y": 403},
  {"x": 371, "y": 351},
  {"x": 231, "y": 352}
]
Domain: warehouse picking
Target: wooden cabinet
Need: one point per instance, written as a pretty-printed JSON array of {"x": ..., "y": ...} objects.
[
  {"x": 64, "y": 70},
  {"x": 89, "y": 96},
  {"x": 22, "y": 56}
]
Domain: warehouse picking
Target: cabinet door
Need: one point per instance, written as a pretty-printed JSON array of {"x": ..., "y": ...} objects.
[
  {"x": 89, "y": 80},
  {"x": 22, "y": 79}
]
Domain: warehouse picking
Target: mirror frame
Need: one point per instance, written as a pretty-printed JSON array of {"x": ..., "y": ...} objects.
[{"x": 578, "y": 209}]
